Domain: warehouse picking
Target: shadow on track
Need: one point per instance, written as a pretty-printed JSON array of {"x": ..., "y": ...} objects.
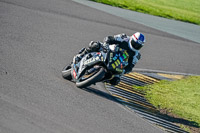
[
  {"x": 101, "y": 94},
  {"x": 166, "y": 117}
]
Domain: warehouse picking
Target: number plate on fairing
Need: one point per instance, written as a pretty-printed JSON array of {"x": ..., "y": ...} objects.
[{"x": 91, "y": 60}]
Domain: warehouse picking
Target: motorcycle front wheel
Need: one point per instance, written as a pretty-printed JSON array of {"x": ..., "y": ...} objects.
[
  {"x": 66, "y": 73},
  {"x": 91, "y": 79}
]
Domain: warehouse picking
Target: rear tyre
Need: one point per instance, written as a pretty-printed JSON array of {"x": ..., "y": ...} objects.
[
  {"x": 66, "y": 72},
  {"x": 91, "y": 80}
]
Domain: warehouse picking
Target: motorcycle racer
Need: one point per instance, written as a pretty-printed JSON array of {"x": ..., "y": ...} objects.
[{"x": 130, "y": 43}]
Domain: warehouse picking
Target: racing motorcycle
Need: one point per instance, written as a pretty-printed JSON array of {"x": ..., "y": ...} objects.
[{"x": 97, "y": 66}]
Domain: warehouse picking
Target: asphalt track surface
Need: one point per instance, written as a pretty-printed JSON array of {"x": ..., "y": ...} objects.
[
  {"x": 39, "y": 37},
  {"x": 178, "y": 28}
]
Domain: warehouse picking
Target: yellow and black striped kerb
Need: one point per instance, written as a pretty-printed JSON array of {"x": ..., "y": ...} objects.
[{"x": 131, "y": 98}]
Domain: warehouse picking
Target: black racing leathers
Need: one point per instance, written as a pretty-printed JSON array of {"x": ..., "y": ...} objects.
[{"x": 123, "y": 42}]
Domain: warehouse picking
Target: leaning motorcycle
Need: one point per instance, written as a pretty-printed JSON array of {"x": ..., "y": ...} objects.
[{"x": 97, "y": 66}]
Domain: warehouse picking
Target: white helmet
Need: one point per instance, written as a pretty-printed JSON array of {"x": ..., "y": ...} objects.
[{"x": 136, "y": 41}]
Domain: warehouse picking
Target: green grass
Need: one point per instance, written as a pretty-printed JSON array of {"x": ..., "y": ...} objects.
[
  {"x": 180, "y": 97},
  {"x": 183, "y": 10}
]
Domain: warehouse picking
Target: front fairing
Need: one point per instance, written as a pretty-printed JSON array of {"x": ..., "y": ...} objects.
[
  {"x": 114, "y": 62},
  {"x": 88, "y": 61}
]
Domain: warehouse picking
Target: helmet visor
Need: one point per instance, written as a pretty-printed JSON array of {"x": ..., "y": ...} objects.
[{"x": 136, "y": 45}]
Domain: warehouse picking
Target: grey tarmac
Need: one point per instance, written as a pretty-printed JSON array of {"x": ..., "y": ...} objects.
[{"x": 39, "y": 37}]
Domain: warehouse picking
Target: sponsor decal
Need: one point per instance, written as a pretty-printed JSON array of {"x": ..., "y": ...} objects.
[
  {"x": 101, "y": 58},
  {"x": 93, "y": 59},
  {"x": 74, "y": 74},
  {"x": 113, "y": 65}
]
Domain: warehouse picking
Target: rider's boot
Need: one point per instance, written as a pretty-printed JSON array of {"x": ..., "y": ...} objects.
[{"x": 114, "y": 80}]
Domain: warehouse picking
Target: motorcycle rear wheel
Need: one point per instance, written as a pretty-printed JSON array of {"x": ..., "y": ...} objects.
[
  {"x": 91, "y": 80},
  {"x": 66, "y": 73}
]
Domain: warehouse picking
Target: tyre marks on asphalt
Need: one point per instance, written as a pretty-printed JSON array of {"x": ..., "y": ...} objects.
[{"x": 135, "y": 100}]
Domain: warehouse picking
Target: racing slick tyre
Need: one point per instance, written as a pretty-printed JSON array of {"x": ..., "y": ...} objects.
[
  {"x": 92, "y": 79},
  {"x": 66, "y": 73}
]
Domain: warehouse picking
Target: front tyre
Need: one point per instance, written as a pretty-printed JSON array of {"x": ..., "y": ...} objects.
[
  {"x": 66, "y": 73},
  {"x": 91, "y": 80}
]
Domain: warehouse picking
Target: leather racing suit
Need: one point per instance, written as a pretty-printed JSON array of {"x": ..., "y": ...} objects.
[{"x": 122, "y": 40}]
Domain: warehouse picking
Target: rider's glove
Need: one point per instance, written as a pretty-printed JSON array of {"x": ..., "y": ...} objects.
[{"x": 109, "y": 39}]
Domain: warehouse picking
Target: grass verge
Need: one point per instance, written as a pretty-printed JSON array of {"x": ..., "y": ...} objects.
[
  {"x": 183, "y": 10},
  {"x": 181, "y": 97}
]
